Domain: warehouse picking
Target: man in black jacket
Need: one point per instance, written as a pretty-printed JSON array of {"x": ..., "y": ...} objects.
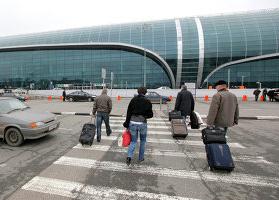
[
  {"x": 185, "y": 102},
  {"x": 139, "y": 109}
]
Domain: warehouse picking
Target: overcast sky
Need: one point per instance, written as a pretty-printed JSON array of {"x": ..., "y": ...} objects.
[{"x": 27, "y": 16}]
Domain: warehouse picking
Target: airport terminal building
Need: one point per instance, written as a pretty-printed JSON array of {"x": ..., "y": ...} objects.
[{"x": 240, "y": 47}]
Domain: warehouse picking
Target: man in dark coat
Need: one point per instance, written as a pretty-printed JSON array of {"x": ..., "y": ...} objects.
[
  {"x": 257, "y": 93},
  {"x": 184, "y": 102},
  {"x": 64, "y": 94}
]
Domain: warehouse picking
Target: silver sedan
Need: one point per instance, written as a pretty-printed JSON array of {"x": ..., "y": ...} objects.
[{"x": 19, "y": 122}]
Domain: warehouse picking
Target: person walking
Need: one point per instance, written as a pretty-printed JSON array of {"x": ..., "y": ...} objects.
[
  {"x": 257, "y": 93},
  {"x": 102, "y": 107},
  {"x": 64, "y": 94},
  {"x": 184, "y": 102},
  {"x": 223, "y": 111},
  {"x": 264, "y": 94},
  {"x": 139, "y": 110}
]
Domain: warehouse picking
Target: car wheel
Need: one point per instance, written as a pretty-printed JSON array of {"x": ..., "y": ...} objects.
[
  {"x": 89, "y": 99},
  {"x": 71, "y": 99},
  {"x": 13, "y": 137}
]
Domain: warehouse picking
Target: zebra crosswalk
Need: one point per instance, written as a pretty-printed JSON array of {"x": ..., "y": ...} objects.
[{"x": 173, "y": 169}]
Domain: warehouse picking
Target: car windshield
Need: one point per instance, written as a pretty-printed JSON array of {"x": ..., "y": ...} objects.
[{"x": 9, "y": 105}]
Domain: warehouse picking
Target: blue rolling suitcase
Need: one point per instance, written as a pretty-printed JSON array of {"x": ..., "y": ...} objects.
[{"x": 219, "y": 157}]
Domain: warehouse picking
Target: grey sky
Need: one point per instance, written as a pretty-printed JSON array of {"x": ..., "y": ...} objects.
[{"x": 27, "y": 16}]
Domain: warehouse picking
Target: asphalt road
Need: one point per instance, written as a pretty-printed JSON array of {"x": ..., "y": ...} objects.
[{"x": 56, "y": 167}]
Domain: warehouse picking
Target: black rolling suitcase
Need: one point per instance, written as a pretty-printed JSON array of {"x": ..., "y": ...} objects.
[
  {"x": 219, "y": 157},
  {"x": 87, "y": 134},
  {"x": 214, "y": 135},
  {"x": 175, "y": 115},
  {"x": 194, "y": 121},
  {"x": 179, "y": 128}
]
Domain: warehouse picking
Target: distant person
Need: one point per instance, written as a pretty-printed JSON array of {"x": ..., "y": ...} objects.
[
  {"x": 102, "y": 107},
  {"x": 139, "y": 109},
  {"x": 64, "y": 94},
  {"x": 184, "y": 102},
  {"x": 257, "y": 93},
  {"x": 264, "y": 94},
  {"x": 271, "y": 94},
  {"x": 223, "y": 111}
]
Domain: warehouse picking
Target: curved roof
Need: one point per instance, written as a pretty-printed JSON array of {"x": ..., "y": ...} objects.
[{"x": 111, "y": 46}]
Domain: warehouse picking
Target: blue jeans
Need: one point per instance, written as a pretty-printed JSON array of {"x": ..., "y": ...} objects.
[
  {"x": 141, "y": 130},
  {"x": 100, "y": 117}
]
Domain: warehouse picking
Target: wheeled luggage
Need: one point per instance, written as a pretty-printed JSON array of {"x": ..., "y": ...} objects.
[
  {"x": 175, "y": 115},
  {"x": 179, "y": 128},
  {"x": 87, "y": 134},
  {"x": 214, "y": 135},
  {"x": 219, "y": 157},
  {"x": 194, "y": 121}
]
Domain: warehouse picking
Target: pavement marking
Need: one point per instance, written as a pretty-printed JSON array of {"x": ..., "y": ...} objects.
[
  {"x": 66, "y": 129},
  {"x": 148, "y": 126},
  {"x": 68, "y": 113},
  {"x": 267, "y": 117},
  {"x": 82, "y": 191},
  {"x": 114, "y": 121},
  {"x": 3, "y": 165},
  {"x": 231, "y": 178},
  {"x": 172, "y": 153},
  {"x": 173, "y": 141},
  {"x": 191, "y": 134}
]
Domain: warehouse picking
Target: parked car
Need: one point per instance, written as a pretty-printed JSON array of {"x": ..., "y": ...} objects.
[
  {"x": 80, "y": 96},
  {"x": 276, "y": 95},
  {"x": 154, "y": 97},
  {"x": 20, "y": 91},
  {"x": 164, "y": 88},
  {"x": 19, "y": 122}
]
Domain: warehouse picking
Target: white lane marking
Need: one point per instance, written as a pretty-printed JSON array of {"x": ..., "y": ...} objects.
[
  {"x": 3, "y": 165},
  {"x": 168, "y": 133},
  {"x": 148, "y": 126},
  {"x": 74, "y": 189},
  {"x": 235, "y": 178},
  {"x": 267, "y": 117},
  {"x": 66, "y": 129},
  {"x": 192, "y": 134},
  {"x": 148, "y": 122},
  {"x": 171, "y": 153},
  {"x": 169, "y": 141},
  {"x": 68, "y": 113}
]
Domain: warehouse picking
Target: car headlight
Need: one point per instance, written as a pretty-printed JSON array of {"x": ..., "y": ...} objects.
[{"x": 36, "y": 124}]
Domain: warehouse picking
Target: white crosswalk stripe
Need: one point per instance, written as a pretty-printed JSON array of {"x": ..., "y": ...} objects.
[
  {"x": 172, "y": 141},
  {"x": 236, "y": 178},
  {"x": 156, "y": 152},
  {"x": 82, "y": 191}
]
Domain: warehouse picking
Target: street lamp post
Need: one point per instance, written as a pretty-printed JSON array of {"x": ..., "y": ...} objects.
[
  {"x": 144, "y": 70},
  {"x": 242, "y": 79}
]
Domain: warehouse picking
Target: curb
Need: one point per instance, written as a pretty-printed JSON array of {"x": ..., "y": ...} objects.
[{"x": 203, "y": 116}]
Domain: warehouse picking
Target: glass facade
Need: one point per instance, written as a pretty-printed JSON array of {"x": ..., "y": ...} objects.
[{"x": 226, "y": 38}]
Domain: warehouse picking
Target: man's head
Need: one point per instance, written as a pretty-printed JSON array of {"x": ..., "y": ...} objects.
[
  {"x": 142, "y": 90},
  {"x": 220, "y": 85},
  {"x": 183, "y": 87},
  {"x": 105, "y": 91}
]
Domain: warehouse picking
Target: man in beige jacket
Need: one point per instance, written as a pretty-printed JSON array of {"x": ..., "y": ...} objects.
[
  {"x": 223, "y": 111},
  {"x": 102, "y": 106}
]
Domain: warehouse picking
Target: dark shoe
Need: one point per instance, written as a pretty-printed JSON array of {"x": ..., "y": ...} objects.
[
  {"x": 98, "y": 140},
  {"x": 128, "y": 161},
  {"x": 108, "y": 134},
  {"x": 141, "y": 160}
]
